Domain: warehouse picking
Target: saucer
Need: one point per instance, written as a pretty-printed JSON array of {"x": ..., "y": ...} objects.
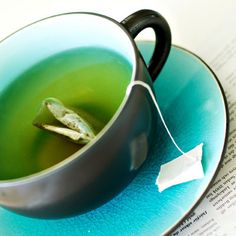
[{"x": 193, "y": 106}]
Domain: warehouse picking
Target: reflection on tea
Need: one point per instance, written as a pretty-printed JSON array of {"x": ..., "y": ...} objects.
[{"x": 90, "y": 80}]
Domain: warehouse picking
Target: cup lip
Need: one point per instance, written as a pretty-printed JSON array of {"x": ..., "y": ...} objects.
[{"x": 62, "y": 164}]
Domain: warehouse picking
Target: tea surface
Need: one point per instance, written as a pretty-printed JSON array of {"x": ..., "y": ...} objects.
[{"x": 91, "y": 80}]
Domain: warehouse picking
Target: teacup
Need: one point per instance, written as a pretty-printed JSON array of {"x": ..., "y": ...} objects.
[{"x": 37, "y": 179}]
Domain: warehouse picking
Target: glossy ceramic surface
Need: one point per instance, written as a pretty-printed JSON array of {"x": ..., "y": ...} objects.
[{"x": 193, "y": 107}]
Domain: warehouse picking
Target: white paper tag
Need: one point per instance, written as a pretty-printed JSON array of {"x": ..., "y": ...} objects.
[{"x": 182, "y": 169}]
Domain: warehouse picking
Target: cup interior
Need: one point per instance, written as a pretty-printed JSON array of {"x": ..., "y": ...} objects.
[{"x": 85, "y": 60}]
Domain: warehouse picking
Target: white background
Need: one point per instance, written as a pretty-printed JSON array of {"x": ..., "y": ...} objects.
[{"x": 187, "y": 18}]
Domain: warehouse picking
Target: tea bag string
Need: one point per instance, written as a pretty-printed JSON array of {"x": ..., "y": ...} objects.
[{"x": 145, "y": 85}]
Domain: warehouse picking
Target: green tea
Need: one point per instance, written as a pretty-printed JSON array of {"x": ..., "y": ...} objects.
[{"x": 91, "y": 80}]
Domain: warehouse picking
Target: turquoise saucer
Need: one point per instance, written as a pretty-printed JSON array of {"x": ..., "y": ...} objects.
[{"x": 193, "y": 106}]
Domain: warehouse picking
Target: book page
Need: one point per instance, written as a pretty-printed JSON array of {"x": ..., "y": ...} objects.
[{"x": 216, "y": 213}]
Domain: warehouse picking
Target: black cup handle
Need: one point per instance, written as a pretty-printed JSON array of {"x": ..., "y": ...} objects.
[{"x": 142, "y": 19}]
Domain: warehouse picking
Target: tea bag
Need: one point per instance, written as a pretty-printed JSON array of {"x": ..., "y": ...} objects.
[
  {"x": 185, "y": 168},
  {"x": 182, "y": 169},
  {"x": 55, "y": 117}
]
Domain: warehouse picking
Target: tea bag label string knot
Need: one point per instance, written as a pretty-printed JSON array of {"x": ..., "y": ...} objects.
[{"x": 145, "y": 85}]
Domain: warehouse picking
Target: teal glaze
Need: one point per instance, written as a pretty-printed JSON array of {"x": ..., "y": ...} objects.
[{"x": 194, "y": 109}]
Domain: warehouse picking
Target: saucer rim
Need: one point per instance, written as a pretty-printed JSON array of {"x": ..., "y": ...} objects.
[{"x": 224, "y": 148}]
